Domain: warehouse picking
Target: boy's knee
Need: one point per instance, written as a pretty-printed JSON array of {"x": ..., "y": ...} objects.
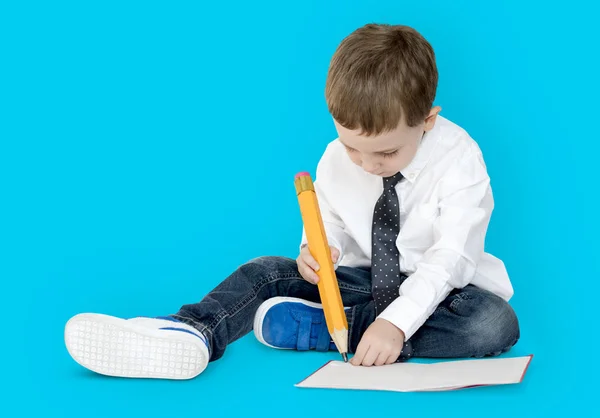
[
  {"x": 269, "y": 265},
  {"x": 493, "y": 327},
  {"x": 270, "y": 262},
  {"x": 501, "y": 331}
]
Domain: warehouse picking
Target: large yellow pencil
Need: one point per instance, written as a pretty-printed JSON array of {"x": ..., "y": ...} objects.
[{"x": 329, "y": 291}]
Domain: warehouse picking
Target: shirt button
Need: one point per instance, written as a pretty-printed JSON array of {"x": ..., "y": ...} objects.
[{"x": 411, "y": 176}]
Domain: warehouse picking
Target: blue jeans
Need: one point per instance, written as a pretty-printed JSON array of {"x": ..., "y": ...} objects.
[{"x": 470, "y": 322}]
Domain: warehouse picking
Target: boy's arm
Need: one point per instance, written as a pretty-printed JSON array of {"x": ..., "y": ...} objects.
[
  {"x": 465, "y": 206},
  {"x": 333, "y": 224}
]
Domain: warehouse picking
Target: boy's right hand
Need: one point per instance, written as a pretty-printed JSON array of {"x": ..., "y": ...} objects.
[{"x": 308, "y": 266}]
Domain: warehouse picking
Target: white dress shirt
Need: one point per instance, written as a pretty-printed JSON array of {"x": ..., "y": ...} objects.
[{"x": 445, "y": 207}]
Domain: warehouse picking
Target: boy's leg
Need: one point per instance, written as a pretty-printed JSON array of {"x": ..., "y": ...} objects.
[
  {"x": 299, "y": 323},
  {"x": 180, "y": 346},
  {"x": 227, "y": 312},
  {"x": 470, "y": 322}
]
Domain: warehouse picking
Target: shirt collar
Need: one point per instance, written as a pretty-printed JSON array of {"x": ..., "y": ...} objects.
[{"x": 424, "y": 152}]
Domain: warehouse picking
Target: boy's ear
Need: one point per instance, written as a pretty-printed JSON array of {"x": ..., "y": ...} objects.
[{"x": 430, "y": 119}]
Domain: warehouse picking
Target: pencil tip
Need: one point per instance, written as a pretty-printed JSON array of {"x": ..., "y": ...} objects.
[{"x": 345, "y": 357}]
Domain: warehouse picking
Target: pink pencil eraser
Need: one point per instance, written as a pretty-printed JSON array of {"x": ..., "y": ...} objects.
[{"x": 302, "y": 174}]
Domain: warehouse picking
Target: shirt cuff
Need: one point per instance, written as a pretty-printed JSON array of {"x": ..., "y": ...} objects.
[{"x": 404, "y": 314}]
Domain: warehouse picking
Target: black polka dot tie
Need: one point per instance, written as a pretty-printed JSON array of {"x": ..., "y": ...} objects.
[{"x": 385, "y": 257}]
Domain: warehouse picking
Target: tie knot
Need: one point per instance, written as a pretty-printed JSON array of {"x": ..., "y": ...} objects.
[{"x": 390, "y": 182}]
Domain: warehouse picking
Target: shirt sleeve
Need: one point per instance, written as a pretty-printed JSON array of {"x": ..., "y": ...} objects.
[
  {"x": 465, "y": 208},
  {"x": 333, "y": 224}
]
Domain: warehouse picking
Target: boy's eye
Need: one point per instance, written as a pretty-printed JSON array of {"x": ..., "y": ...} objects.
[
  {"x": 350, "y": 149},
  {"x": 390, "y": 154}
]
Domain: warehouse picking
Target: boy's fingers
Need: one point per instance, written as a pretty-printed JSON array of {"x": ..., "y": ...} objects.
[
  {"x": 370, "y": 356},
  {"x": 392, "y": 358},
  {"x": 310, "y": 261},
  {"x": 335, "y": 254},
  {"x": 360, "y": 354},
  {"x": 306, "y": 272},
  {"x": 382, "y": 359},
  {"x": 312, "y": 277}
]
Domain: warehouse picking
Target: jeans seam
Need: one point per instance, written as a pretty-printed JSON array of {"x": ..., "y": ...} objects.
[
  {"x": 353, "y": 288},
  {"x": 186, "y": 320}
]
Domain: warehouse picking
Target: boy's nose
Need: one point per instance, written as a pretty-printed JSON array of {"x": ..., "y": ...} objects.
[{"x": 372, "y": 167}]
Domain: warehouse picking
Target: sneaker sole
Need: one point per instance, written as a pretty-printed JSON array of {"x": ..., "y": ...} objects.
[
  {"x": 115, "y": 347},
  {"x": 264, "y": 308}
]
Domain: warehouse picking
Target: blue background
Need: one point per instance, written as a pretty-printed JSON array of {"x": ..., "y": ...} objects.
[{"x": 147, "y": 149}]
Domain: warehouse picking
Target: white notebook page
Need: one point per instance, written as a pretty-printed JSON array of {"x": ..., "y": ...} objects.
[{"x": 411, "y": 377}]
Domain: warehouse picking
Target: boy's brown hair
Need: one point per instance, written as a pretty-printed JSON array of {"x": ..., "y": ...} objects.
[{"x": 379, "y": 74}]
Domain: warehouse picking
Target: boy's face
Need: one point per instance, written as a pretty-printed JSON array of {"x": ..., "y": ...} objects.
[{"x": 386, "y": 154}]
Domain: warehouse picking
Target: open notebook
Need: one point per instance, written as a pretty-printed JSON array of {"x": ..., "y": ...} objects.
[{"x": 419, "y": 377}]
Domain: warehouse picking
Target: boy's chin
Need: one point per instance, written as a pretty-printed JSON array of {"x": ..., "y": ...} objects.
[
  {"x": 382, "y": 175},
  {"x": 388, "y": 174}
]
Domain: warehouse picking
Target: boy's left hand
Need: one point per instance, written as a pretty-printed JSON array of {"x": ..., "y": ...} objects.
[{"x": 381, "y": 344}]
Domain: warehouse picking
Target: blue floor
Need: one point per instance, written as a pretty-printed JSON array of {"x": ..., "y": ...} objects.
[{"x": 250, "y": 379}]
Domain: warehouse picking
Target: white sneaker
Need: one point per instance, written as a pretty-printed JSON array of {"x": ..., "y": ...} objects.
[{"x": 161, "y": 348}]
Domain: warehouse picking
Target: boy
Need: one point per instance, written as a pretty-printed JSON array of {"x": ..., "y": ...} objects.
[{"x": 406, "y": 201}]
